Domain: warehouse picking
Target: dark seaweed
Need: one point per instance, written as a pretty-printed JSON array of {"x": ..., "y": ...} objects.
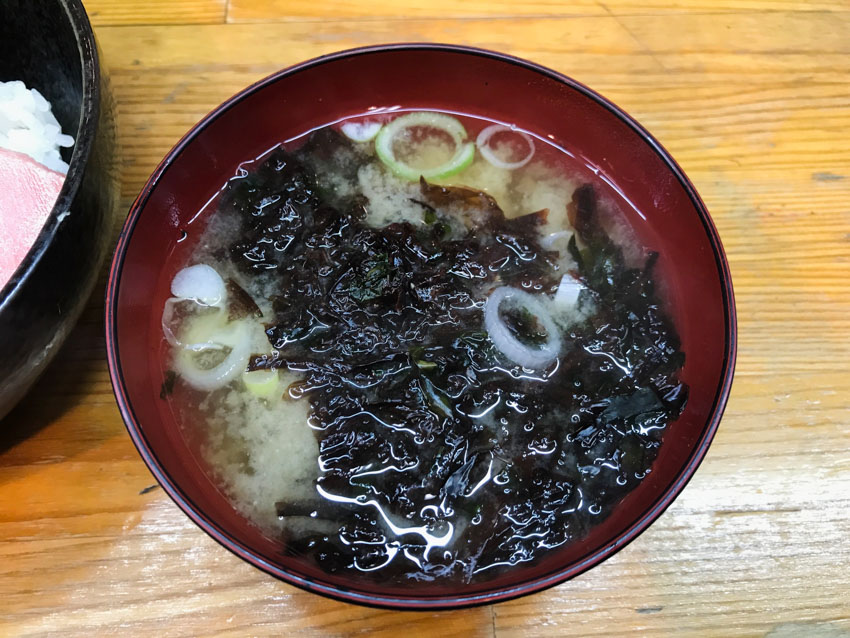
[
  {"x": 413, "y": 407},
  {"x": 167, "y": 388},
  {"x": 239, "y": 303}
]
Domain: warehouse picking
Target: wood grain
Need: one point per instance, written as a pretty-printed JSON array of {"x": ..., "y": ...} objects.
[
  {"x": 120, "y": 12},
  {"x": 751, "y": 98},
  {"x": 283, "y": 10}
]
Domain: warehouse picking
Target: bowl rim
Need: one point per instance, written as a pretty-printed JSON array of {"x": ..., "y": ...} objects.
[
  {"x": 83, "y": 143},
  {"x": 435, "y": 602}
]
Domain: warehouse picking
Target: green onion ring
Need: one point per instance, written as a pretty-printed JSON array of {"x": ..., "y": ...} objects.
[{"x": 464, "y": 151}]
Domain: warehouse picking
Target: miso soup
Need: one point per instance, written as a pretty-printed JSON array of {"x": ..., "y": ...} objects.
[{"x": 421, "y": 346}]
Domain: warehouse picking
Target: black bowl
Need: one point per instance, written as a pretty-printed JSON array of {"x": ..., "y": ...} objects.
[{"x": 49, "y": 45}]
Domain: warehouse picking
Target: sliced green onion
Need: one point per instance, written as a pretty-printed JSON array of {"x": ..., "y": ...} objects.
[
  {"x": 201, "y": 283},
  {"x": 361, "y": 131},
  {"x": 237, "y": 337},
  {"x": 487, "y": 153},
  {"x": 566, "y": 297},
  {"x": 464, "y": 151},
  {"x": 530, "y": 357},
  {"x": 262, "y": 383}
]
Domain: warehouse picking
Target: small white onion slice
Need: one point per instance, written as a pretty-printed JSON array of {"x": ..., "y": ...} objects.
[
  {"x": 483, "y": 144},
  {"x": 566, "y": 297},
  {"x": 501, "y": 336},
  {"x": 238, "y": 338},
  {"x": 200, "y": 283},
  {"x": 196, "y": 341},
  {"x": 167, "y": 318},
  {"x": 360, "y": 131},
  {"x": 551, "y": 239}
]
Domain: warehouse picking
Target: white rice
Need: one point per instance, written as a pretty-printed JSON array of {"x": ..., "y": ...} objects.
[{"x": 27, "y": 125}]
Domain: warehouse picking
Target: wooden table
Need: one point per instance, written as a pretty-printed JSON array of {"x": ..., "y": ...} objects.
[{"x": 753, "y": 99}]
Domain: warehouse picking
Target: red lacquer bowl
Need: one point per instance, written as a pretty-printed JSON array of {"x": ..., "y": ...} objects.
[{"x": 671, "y": 219}]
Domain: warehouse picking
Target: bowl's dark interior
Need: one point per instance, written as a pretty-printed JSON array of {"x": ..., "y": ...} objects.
[
  {"x": 50, "y": 46},
  {"x": 421, "y": 78}
]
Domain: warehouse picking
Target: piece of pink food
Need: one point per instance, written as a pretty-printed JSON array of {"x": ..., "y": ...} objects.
[{"x": 28, "y": 191}]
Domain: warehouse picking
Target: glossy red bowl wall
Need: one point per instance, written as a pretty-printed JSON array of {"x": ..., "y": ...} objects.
[{"x": 438, "y": 77}]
